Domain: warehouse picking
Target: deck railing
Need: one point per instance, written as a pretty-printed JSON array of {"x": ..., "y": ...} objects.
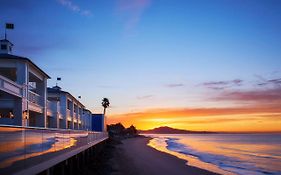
[
  {"x": 25, "y": 147},
  {"x": 34, "y": 97},
  {"x": 10, "y": 86}
]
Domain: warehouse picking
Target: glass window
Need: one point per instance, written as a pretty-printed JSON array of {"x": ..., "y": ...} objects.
[
  {"x": 69, "y": 104},
  {"x": 75, "y": 108},
  {"x": 3, "y": 47}
]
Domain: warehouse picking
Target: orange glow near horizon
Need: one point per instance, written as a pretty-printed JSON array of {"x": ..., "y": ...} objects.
[{"x": 257, "y": 119}]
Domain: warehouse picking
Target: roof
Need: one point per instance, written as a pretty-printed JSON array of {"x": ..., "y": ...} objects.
[
  {"x": 5, "y": 40},
  {"x": 9, "y": 56}
]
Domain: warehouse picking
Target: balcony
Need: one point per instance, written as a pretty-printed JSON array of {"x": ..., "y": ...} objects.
[
  {"x": 34, "y": 97},
  {"x": 10, "y": 86},
  {"x": 24, "y": 150},
  {"x": 35, "y": 102}
]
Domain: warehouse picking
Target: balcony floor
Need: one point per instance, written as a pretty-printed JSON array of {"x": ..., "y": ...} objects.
[{"x": 32, "y": 150}]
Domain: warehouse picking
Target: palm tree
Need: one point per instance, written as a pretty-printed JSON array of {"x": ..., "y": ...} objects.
[{"x": 105, "y": 104}]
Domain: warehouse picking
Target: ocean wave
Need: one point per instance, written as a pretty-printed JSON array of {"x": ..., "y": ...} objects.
[{"x": 227, "y": 163}]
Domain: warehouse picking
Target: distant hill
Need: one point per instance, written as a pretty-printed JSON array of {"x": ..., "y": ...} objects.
[{"x": 168, "y": 130}]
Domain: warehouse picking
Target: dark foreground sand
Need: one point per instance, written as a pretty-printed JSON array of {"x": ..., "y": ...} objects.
[{"x": 134, "y": 157}]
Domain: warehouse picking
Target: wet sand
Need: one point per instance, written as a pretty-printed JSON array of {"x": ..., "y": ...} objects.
[{"x": 134, "y": 157}]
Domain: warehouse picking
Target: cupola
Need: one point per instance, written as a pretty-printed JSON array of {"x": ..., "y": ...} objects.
[{"x": 6, "y": 46}]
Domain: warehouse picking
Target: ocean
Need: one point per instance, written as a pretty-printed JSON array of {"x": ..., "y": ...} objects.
[{"x": 230, "y": 154}]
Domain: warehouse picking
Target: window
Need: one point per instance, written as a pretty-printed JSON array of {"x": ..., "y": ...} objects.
[
  {"x": 75, "y": 108},
  {"x": 68, "y": 125},
  {"x": 69, "y": 104},
  {"x": 3, "y": 47}
]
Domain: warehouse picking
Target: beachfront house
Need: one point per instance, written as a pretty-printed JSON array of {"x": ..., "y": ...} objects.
[
  {"x": 28, "y": 109},
  {"x": 66, "y": 111},
  {"x": 25, "y": 99},
  {"x": 23, "y": 89}
]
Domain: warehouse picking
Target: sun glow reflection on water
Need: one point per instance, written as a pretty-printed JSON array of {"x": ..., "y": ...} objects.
[
  {"x": 159, "y": 144},
  {"x": 251, "y": 154}
]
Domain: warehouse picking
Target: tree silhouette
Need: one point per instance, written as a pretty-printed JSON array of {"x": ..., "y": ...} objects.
[{"x": 105, "y": 104}]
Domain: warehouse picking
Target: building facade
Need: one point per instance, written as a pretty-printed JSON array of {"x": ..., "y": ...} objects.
[
  {"x": 25, "y": 99},
  {"x": 66, "y": 111},
  {"x": 23, "y": 90}
]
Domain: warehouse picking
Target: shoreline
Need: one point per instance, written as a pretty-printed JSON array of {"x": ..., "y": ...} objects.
[
  {"x": 134, "y": 156},
  {"x": 189, "y": 160}
]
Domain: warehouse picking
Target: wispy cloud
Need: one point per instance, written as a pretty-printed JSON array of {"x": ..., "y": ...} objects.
[
  {"x": 260, "y": 111},
  {"x": 174, "y": 85},
  {"x": 106, "y": 86},
  {"x": 266, "y": 90},
  {"x": 144, "y": 97},
  {"x": 199, "y": 112},
  {"x": 257, "y": 95},
  {"x": 269, "y": 82},
  {"x": 219, "y": 85},
  {"x": 131, "y": 11},
  {"x": 74, "y": 7}
]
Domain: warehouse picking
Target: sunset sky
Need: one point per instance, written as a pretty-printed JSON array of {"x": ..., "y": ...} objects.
[{"x": 190, "y": 64}]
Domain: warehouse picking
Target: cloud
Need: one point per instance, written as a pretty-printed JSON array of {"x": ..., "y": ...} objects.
[
  {"x": 268, "y": 91},
  {"x": 251, "y": 118},
  {"x": 275, "y": 81},
  {"x": 173, "y": 85},
  {"x": 106, "y": 86},
  {"x": 144, "y": 97},
  {"x": 261, "y": 110},
  {"x": 74, "y": 7},
  {"x": 220, "y": 85},
  {"x": 258, "y": 95},
  {"x": 132, "y": 11},
  {"x": 231, "y": 118},
  {"x": 269, "y": 82},
  {"x": 200, "y": 112}
]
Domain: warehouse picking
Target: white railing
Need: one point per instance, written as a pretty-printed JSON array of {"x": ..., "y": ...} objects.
[
  {"x": 34, "y": 97},
  {"x": 10, "y": 86},
  {"x": 35, "y": 102}
]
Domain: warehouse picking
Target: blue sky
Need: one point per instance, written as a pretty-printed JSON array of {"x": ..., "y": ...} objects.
[{"x": 145, "y": 54}]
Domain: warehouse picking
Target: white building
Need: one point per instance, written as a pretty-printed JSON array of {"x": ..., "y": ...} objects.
[
  {"x": 23, "y": 89},
  {"x": 67, "y": 112},
  {"x": 26, "y": 101}
]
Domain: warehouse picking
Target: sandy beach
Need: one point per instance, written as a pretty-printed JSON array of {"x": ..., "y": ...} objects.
[{"x": 134, "y": 157}]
